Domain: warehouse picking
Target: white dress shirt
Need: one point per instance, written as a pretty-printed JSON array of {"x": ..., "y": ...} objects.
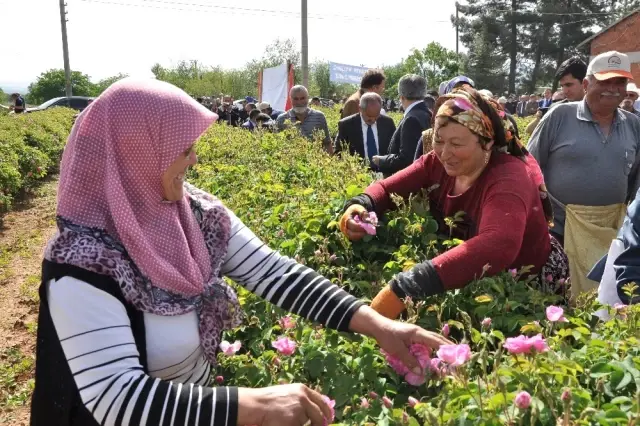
[{"x": 365, "y": 129}]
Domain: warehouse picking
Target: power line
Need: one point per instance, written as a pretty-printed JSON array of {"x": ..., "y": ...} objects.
[{"x": 233, "y": 10}]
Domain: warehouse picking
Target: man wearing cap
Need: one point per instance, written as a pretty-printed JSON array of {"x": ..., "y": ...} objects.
[
  {"x": 265, "y": 108},
  {"x": 589, "y": 154},
  {"x": 629, "y": 102}
]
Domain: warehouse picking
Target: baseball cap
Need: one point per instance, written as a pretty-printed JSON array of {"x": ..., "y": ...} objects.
[
  {"x": 610, "y": 65},
  {"x": 631, "y": 87},
  {"x": 486, "y": 93},
  {"x": 263, "y": 105},
  {"x": 249, "y": 99}
]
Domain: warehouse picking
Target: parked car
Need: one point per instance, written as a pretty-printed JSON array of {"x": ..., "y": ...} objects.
[{"x": 78, "y": 103}]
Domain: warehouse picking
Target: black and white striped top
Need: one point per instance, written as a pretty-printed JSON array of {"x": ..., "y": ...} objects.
[{"x": 96, "y": 337}]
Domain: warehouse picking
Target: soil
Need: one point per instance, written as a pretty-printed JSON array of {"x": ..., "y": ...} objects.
[{"x": 23, "y": 235}]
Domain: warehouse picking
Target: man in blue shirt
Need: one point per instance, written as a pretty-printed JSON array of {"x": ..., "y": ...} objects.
[{"x": 546, "y": 101}]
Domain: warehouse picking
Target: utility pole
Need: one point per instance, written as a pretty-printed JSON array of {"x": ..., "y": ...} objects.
[
  {"x": 305, "y": 46},
  {"x": 65, "y": 47},
  {"x": 457, "y": 26}
]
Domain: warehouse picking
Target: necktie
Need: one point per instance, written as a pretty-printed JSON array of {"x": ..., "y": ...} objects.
[{"x": 371, "y": 143}]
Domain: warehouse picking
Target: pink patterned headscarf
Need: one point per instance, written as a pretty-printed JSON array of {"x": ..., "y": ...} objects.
[{"x": 111, "y": 179}]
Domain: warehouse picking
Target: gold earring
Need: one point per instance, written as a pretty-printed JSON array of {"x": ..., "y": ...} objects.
[{"x": 487, "y": 155}]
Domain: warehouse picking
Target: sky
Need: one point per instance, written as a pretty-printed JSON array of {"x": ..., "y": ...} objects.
[{"x": 107, "y": 37}]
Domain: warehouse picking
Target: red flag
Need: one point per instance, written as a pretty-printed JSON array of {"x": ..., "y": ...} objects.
[{"x": 290, "y": 84}]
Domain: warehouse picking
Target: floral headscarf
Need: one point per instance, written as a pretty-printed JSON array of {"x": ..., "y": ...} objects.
[{"x": 461, "y": 106}]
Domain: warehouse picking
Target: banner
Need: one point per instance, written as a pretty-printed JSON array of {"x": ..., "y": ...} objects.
[
  {"x": 341, "y": 73},
  {"x": 274, "y": 85}
]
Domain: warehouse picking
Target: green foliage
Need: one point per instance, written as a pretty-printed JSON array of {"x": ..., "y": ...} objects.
[
  {"x": 103, "y": 84},
  {"x": 30, "y": 148},
  {"x": 518, "y": 44},
  {"x": 435, "y": 62},
  {"x": 51, "y": 84},
  {"x": 290, "y": 194}
]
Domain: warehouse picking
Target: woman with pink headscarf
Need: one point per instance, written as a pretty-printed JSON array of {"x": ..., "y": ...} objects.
[{"x": 133, "y": 302}]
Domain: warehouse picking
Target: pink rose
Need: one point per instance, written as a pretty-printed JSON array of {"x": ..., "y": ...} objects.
[
  {"x": 415, "y": 379},
  {"x": 523, "y": 400},
  {"x": 364, "y": 403},
  {"x": 219, "y": 379},
  {"x": 395, "y": 363},
  {"x": 373, "y": 395},
  {"x": 387, "y": 402},
  {"x": 524, "y": 345},
  {"x": 413, "y": 402},
  {"x": 517, "y": 345},
  {"x": 513, "y": 272},
  {"x": 369, "y": 226},
  {"x": 331, "y": 403},
  {"x": 445, "y": 330},
  {"x": 538, "y": 343},
  {"x": 284, "y": 345},
  {"x": 287, "y": 322},
  {"x": 230, "y": 349},
  {"x": 549, "y": 278},
  {"x": 486, "y": 323},
  {"x": 454, "y": 355},
  {"x": 555, "y": 313}
]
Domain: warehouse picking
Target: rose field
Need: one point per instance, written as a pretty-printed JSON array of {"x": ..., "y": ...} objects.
[{"x": 520, "y": 359}]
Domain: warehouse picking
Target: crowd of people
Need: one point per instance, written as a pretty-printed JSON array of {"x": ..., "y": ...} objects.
[{"x": 132, "y": 300}]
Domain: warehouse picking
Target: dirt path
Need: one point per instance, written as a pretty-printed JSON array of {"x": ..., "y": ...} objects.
[{"x": 23, "y": 236}]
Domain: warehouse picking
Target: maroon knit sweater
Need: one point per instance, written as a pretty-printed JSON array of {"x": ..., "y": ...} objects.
[{"x": 504, "y": 225}]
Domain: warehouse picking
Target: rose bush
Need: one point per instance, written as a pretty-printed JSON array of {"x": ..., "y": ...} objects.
[
  {"x": 518, "y": 358},
  {"x": 291, "y": 194},
  {"x": 30, "y": 148}
]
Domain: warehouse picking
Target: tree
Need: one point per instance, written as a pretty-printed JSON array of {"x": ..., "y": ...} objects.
[
  {"x": 435, "y": 63},
  {"x": 278, "y": 52},
  {"x": 103, "y": 84},
  {"x": 51, "y": 84}
]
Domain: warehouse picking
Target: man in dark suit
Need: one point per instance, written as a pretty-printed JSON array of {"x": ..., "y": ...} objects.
[
  {"x": 412, "y": 89},
  {"x": 368, "y": 132}
]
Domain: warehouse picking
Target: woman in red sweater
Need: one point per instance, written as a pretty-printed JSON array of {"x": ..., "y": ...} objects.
[{"x": 479, "y": 168}]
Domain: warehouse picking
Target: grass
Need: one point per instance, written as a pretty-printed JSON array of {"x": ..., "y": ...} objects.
[
  {"x": 14, "y": 366},
  {"x": 29, "y": 289}
]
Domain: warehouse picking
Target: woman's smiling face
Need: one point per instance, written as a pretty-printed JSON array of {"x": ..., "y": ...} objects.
[{"x": 173, "y": 177}]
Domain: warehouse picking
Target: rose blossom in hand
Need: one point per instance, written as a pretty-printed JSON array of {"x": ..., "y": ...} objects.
[
  {"x": 370, "y": 225},
  {"x": 331, "y": 403}
]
